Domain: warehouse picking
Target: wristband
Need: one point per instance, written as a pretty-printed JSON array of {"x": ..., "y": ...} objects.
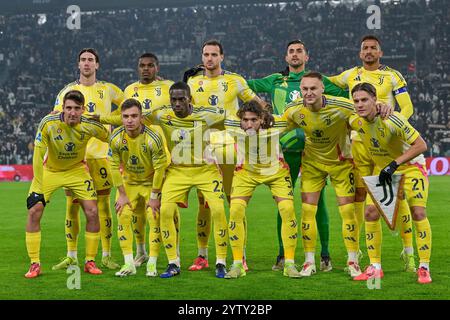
[{"x": 155, "y": 196}]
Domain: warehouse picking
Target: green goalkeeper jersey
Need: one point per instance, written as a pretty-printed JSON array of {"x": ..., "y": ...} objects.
[{"x": 284, "y": 87}]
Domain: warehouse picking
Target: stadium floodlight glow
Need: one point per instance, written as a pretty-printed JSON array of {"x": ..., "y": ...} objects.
[{"x": 42, "y": 19}]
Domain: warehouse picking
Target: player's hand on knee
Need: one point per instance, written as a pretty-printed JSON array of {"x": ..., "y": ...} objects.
[
  {"x": 387, "y": 172},
  {"x": 384, "y": 110},
  {"x": 121, "y": 202},
  {"x": 155, "y": 205}
]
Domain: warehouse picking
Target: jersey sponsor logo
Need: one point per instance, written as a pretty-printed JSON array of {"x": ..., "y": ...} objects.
[
  {"x": 158, "y": 91},
  {"x": 135, "y": 95},
  {"x": 39, "y": 137},
  {"x": 294, "y": 95},
  {"x": 58, "y": 137},
  {"x": 213, "y": 100},
  {"x": 70, "y": 146},
  {"x": 200, "y": 89},
  {"x": 100, "y": 93},
  {"x": 358, "y": 78},
  {"x": 225, "y": 86},
  {"x": 147, "y": 104},
  {"x": 91, "y": 107},
  {"x": 134, "y": 160},
  {"x": 317, "y": 133},
  {"x": 124, "y": 148},
  {"x": 375, "y": 143}
]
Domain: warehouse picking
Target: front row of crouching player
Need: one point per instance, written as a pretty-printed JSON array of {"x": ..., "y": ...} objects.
[{"x": 162, "y": 159}]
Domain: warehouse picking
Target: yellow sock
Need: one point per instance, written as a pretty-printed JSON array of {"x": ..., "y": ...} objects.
[
  {"x": 203, "y": 225},
  {"x": 177, "y": 221},
  {"x": 124, "y": 232},
  {"x": 168, "y": 230},
  {"x": 405, "y": 221},
  {"x": 91, "y": 239},
  {"x": 423, "y": 239},
  {"x": 289, "y": 228},
  {"x": 33, "y": 242},
  {"x": 236, "y": 228},
  {"x": 104, "y": 214},
  {"x": 359, "y": 214},
  {"x": 154, "y": 235},
  {"x": 349, "y": 227},
  {"x": 374, "y": 238},
  {"x": 309, "y": 227},
  {"x": 220, "y": 228},
  {"x": 139, "y": 223},
  {"x": 72, "y": 227}
]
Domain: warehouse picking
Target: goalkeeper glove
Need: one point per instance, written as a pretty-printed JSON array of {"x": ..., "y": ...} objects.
[
  {"x": 387, "y": 172},
  {"x": 192, "y": 72}
]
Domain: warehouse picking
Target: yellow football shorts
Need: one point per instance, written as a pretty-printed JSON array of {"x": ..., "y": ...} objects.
[
  {"x": 245, "y": 182},
  {"x": 100, "y": 171},
  {"x": 314, "y": 176},
  {"x": 364, "y": 165},
  {"x": 77, "y": 180},
  {"x": 180, "y": 179},
  {"x": 138, "y": 195}
]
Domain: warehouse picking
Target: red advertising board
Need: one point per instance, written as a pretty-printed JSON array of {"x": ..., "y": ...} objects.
[
  {"x": 16, "y": 172},
  {"x": 438, "y": 166}
]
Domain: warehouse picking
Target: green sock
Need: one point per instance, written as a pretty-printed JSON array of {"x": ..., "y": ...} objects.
[{"x": 323, "y": 225}]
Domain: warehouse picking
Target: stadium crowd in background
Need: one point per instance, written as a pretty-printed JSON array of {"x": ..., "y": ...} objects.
[{"x": 36, "y": 60}]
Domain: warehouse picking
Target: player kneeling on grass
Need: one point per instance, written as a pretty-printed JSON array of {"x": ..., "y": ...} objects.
[
  {"x": 63, "y": 137},
  {"x": 394, "y": 145},
  {"x": 259, "y": 161},
  {"x": 142, "y": 153}
]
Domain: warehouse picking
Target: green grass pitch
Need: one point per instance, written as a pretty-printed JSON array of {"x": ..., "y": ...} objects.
[{"x": 260, "y": 283}]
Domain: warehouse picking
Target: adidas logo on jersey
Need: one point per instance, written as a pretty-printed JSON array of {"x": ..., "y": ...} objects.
[
  {"x": 361, "y": 130},
  {"x": 425, "y": 247},
  {"x": 135, "y": 95},
  {"x": 59, "y": 137},
  {"x": 200, "y": 89},
  {"x": 123, "y": 238},
  {"x": 352, "y": 190},
  {"x": 306, "y": 238},
  {"x": 124, "y": 148},
  {"x": 358, "y": 78},
  {"x": 303, "y": 123},
  {"x": 107, "y": 184},
  {"x": 418, "y": 196}
]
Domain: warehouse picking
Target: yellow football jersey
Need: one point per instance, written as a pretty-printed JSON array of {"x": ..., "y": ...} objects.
[
  {"x": 186, "y": 137},
  {"x": 223, "y": 91},
  {"x": 385, "y": 140},
  {"x": 140, "y": 156},
  {"x": 326, "y": 131},
  {"x": 154, "y": 94},
  {"x": 259, "y": 153},
  {"x": 64, "y": 145},
  {"x": 390, "y": 85},
  {"x": 99, "y": 99}
]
